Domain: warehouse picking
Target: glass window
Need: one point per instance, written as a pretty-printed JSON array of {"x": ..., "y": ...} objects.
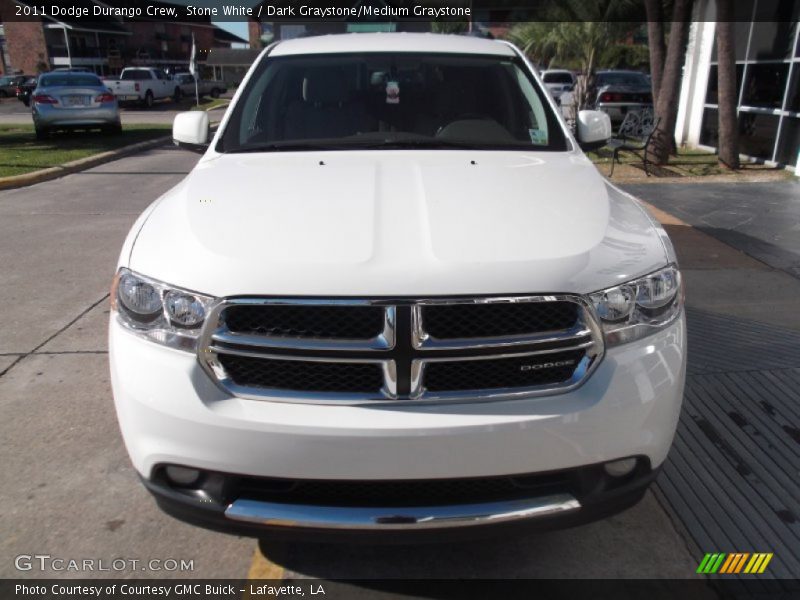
[
  {"x": 772, "y": 41},
  {"x": 765, "y": 85},
  {"x": 793, "y": 99},
  {"x": 392, "y": 100},
  {"x": 557, "y": 77},
  {"x": 711, "y": 94},
  {"x": 789, "y": 144},
  {"x": 709, "y": 130},
  {"x": 773, "y": 29},
  {"x": 70, "y": 80},
  {"x": 621, "y": 78},
  {"x": 757, "y": 134},
  {"x": 135, "y": 75}
]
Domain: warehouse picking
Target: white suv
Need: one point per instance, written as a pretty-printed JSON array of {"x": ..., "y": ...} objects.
[{"x": 395, "y": 296}]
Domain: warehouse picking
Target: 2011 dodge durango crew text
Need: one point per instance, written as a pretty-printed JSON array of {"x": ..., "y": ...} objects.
[{"x": 395, "y": 296}]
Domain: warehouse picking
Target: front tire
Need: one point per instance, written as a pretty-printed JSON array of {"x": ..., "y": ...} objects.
[
  {"x": 149, "y": 100},
  {"x": 215, "y": 93},
  {"x": 178, "y": 94}
]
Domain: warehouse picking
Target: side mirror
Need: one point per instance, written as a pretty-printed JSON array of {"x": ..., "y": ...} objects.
[
  {"x": 594, "y": 129},
  {"x": 190, "y": 130}
]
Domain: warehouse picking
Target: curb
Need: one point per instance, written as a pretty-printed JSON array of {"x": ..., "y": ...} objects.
[{"x": 26, "y": 179}]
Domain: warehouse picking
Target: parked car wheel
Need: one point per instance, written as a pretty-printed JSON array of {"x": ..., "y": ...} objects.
[
  {"x": 148, "y": 99},
  {"x": 215, "y": 93},
  {"x": 42, "y": 133},
  {"x": 178, "y": 94},
  {"x": 113, "y": 129},
  {"x": 3, "y": 94}
]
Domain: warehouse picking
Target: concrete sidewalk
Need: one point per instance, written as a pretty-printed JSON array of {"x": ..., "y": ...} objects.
[
  {"x": 760, "y": 219},
  {"x": 731, "y": 478}
]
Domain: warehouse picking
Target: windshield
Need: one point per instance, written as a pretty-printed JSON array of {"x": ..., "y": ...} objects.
[
  {"x": 629, "y": 79},
  {"x": 72, "y": 80},
  {"x": 135, "y": 75},
  {"x": 391, "y": 100},
  {"x": 557, "y": 78}
]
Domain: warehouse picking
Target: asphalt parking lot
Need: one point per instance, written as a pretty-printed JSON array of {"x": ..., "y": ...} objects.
[{"x": 69, "y": 490}]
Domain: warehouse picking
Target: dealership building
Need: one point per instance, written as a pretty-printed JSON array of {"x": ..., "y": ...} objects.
[{"x": 768, "y": 80}]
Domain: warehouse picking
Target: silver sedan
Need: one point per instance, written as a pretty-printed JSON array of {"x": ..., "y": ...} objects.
[{"x": 73, "y": 100}]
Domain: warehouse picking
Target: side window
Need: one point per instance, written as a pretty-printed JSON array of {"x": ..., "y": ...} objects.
[{"x": 160, "y": 74}]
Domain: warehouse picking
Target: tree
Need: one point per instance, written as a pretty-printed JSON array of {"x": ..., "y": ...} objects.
[
  {"x": 727, "y": 97},
  {"x": 655, "y": 35},
  {"x": 666, "y": 104},
  {"x": 580, "y": 43},
  {"x": 449, "y": 26}
]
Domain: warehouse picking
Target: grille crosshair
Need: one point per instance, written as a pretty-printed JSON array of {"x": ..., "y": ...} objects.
[{"x": 538, "y": 345}]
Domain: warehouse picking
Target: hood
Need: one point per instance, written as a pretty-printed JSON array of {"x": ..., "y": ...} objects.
[{"x": 395, "y": 223}]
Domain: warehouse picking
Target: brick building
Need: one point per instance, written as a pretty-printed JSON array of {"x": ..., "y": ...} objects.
[{"x": 105, "y": 44}]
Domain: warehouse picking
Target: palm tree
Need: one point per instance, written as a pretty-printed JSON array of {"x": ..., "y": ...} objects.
[
  {"x": 655, "y": 37},
  {"x": 666, "y": 105},
  {"x": 582, "y": 43},
  {"x": 727, "y": 94},
  {"x": 449, "y": 26}
]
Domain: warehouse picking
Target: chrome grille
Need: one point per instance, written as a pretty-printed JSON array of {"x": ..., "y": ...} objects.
[
  {"x": 314, "y": 376},
  {"x": 398, "y": 350},
  {"x": 519, "y": 371},
  {"x": 356, "y": 322},
  {"x": 496, "y": 319}
]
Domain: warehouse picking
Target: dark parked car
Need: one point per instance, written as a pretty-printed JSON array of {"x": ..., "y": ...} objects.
[
  {"x": 618, "y": 92},
  {"x": 25, "y": 89},
  {"x": 9, "y": 83}
]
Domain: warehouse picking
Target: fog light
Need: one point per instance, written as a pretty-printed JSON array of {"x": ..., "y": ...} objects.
[
  {"x": 620, "y": 468},
  {"x": 182, "y": 476}
]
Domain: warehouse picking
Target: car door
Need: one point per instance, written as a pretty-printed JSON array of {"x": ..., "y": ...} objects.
[{"x": 163, "y": 83}]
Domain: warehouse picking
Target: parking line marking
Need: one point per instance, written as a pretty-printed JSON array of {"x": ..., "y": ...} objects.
[{"x": 263, "y": 568}]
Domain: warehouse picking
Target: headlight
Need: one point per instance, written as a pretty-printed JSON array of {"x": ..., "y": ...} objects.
[
  {"x": 158, "y": 311},
  {"x": 638, "y": 308}
]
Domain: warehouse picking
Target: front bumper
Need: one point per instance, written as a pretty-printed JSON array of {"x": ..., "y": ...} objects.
[
  {"x": 583, "y": 495},
  {"x": 170, "y": 412}
]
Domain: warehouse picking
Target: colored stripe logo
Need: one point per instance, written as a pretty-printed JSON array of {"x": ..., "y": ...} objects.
[{"x": 734, "y": 563}]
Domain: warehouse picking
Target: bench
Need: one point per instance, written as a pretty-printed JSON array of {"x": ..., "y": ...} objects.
[{"x": 634, "y": 136}]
